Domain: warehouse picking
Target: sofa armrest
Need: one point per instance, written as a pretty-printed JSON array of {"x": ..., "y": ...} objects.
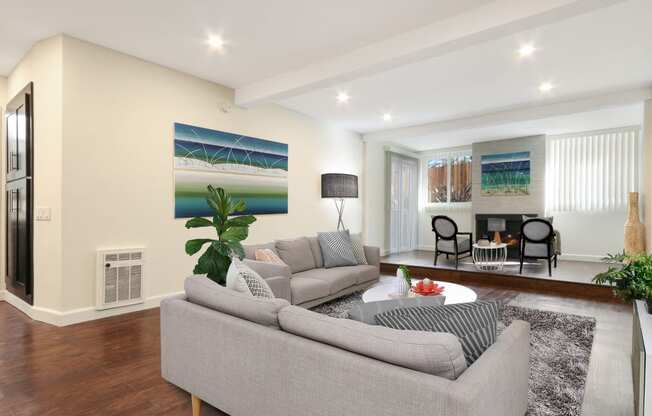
[
  {"x": 497, "y": 383},
  {"x": 265, "y": 269},
  {"x": 280, "y": 285},
  {"x": 373, "y": 255}
]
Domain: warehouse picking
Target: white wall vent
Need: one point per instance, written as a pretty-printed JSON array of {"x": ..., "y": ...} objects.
[{"x": 120, "y": 277}]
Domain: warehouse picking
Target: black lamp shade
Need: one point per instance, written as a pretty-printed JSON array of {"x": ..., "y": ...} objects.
[{"x": 339, "y": 185}]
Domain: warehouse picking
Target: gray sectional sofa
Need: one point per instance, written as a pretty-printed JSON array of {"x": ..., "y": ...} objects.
[
  {"x": 252, "y": 356},
  {"x": 305, "y": 281}
]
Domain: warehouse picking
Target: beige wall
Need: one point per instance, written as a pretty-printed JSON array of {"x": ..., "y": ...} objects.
[
  {"x": 118, "y": 183},
  {"x": 43, "y": 66}
]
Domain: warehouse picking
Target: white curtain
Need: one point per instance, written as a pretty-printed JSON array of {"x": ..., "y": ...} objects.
[
  {"x": 593, "y": 171},
  {"x": 403, "y": 201}
]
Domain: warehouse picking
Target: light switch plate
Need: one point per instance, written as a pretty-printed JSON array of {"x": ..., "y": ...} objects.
[{"x": 43, "y": 214}]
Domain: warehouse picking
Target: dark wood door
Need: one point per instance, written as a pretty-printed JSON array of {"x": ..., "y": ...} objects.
[{"x": 18, "y": 192}]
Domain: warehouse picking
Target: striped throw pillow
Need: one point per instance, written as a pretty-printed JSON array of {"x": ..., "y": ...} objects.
[
  {"x": 474, "y": 324},
  {"x": 358, "y": 249},
  {"x": 268, "y": 256},
  {"x": 336, "y": 249}
]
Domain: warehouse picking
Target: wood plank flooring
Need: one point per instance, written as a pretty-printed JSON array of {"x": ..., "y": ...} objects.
[{"x": 112, "y": 366}]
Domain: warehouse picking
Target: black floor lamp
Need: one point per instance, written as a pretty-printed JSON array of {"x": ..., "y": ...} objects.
[{"x": 339, "y": 186}]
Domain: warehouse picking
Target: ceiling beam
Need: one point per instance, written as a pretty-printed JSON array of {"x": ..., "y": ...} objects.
[
  {"x": 494, "y": 20},
  {"x": 518, "y": 114}
]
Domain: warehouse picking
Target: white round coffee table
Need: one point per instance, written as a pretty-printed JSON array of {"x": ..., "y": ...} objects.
[
  {"x": 490, "y": 257},
  {"x": 454, "y": 293}
]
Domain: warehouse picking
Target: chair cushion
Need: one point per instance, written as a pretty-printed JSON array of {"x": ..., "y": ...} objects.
[
  {"x": 203, "y": 291},
  {"x": 338, "y": 278},
  {"x": 250, "y": 250},
  {"x": 305, "y": 289},
  {"x": 336, "y": 249},
  {"x": 475, "y": 323},
  {"x": 366, "y": 312},
  {"x": 316, "y": 251},
  {"x": 363, "y": 273},
  {"x": 296, "y": 253},
  {"x": 537, "y": 249},
  {"x": 439, "y": 354},
  {"x": 463, "y": 244},
  {"x": 358, "y": 249}
]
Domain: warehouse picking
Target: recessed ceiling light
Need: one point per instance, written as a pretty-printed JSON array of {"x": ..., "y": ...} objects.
[
  {"x": 343, "y": 97},
  {"x": 215, "y": 42},
  {"x": 387, "y": 117},
  {"x": 526, "y": 50},
  {"x": 546, "y": 86}
]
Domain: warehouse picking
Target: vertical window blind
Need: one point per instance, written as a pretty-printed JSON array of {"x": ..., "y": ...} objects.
[{"x": 593, "y": 171}]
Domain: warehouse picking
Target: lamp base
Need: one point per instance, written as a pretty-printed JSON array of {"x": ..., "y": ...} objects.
[
  {"x": 339, "y": 205},
  {"x": 497, "y": 239}
]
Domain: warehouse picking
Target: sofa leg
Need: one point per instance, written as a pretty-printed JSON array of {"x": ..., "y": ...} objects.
[{"x": 196, "y": 405}]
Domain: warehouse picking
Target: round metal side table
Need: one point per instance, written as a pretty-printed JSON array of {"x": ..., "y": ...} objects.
[{"x": 490, "y": 257}]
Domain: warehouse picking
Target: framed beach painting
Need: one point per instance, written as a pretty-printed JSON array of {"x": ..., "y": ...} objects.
[
  {"x": 250, "y": 169},
  {"x": 505, "y": 174}
]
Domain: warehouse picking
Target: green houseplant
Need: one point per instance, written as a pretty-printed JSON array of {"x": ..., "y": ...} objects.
[
  {"x": 216, "y": 259},
  {"x": 630, "y": 276}
]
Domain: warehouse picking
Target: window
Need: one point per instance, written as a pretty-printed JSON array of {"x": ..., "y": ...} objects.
[
  {"x": 593, "y": 171},
  {"x": 449, "y": 177}
]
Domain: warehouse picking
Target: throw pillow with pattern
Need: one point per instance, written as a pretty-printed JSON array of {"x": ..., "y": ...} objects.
[
  {"x": 358, "y": 249},
  {"x": 268, "y": 256},
  {"x": 337, "y": 249},
  {"x": 475, "y": 324},
  {"x": 242, "y": 278}
]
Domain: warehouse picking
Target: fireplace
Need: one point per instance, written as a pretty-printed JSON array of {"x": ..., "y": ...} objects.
[{"x": 511, "y": 235}]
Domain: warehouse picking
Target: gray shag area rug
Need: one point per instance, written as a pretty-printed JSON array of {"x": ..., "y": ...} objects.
[{"x": 560, "y": 348}]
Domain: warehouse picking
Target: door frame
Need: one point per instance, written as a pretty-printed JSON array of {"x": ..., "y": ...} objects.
[{"x": 26, "y": 291}]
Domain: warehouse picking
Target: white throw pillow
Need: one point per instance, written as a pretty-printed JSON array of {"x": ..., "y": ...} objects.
[{"x": 242, "y": 278}]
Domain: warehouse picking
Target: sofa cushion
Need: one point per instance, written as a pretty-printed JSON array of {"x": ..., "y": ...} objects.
[
  {"x": 316, "y": 251},
  {"x": 358, "y": 249},
  {"x": 366, "y": 312},
  {"x": 203, "y": 291},
  {"x": 337, "y": 278},
  {"x": 250, "y": 250},
  {"x": 475, "y": 323},
  {"x": 363, "y": 273},
  {"x": 336, "y": 249},
  {"x": 439, "y": 354},
  {"x": 296, "y": 253},
  {"x": 306, "y": 289}
]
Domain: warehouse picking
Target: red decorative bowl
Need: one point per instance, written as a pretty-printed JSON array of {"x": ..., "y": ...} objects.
[{"x": 432, "y": 290}]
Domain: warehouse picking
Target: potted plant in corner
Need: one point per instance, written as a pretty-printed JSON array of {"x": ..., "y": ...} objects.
[
  {"x": 630, "y": 275},
  {"x": 216, "y": 259}
]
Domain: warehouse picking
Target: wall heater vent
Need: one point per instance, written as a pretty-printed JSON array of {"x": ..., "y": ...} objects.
[{"x": 120, "y": 277}]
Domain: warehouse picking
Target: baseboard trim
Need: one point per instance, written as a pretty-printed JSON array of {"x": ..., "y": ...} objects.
[
  {"x": 2, "y": 294},
  {"x": 75, "y": 316}
]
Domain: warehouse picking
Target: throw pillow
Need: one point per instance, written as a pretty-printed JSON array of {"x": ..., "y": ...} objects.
[
  {"x": 268, "y": 256},
  {"x": 242, "y": 278},
  {"x": 549, "y": 219},
  {"x": 474, "y": 324},
  {"x": 336, "y": 248},
  {"x": 358, "y": 249}
]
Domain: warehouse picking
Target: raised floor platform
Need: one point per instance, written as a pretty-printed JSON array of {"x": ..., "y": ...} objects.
[{"x": 570, "y": 278}]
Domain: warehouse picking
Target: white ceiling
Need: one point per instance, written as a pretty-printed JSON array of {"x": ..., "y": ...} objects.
[
  {"x": 603, "y": 50},
  {"x": 265, "y": 37},
  {"x": 424, "y": 61}
]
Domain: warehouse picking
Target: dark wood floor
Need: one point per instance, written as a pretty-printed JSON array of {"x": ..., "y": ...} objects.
[{"x": 112, "y": 366}]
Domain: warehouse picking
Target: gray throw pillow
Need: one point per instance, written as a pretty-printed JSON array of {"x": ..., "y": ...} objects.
[
  {"x": 336, "y": 249},
  {"x": 474, "y": 324},
  {"x": 358, "y": 249}
]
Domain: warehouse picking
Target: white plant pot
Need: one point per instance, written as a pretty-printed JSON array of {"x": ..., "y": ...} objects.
[{"x": 401, "y": 285}]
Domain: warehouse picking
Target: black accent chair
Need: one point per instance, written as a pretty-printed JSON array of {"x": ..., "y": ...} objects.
[
  {"x": 448, "y": 240},
  {"x": 537, "y": 242}
]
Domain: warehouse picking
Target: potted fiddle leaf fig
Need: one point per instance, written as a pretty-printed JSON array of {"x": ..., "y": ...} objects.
[
  {"x": 230, "y": 229},
  {"x": 630, "y": 275}
]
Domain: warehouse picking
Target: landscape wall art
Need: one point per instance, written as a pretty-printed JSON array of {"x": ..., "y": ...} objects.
[
  {"x": 505, "y": 174},
  {"x": 250, "y": 169}
]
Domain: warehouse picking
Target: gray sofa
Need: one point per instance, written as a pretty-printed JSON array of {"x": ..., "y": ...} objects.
[
  {"x": 251, "y": 356},
  {"x": 305, "y": 281}
]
